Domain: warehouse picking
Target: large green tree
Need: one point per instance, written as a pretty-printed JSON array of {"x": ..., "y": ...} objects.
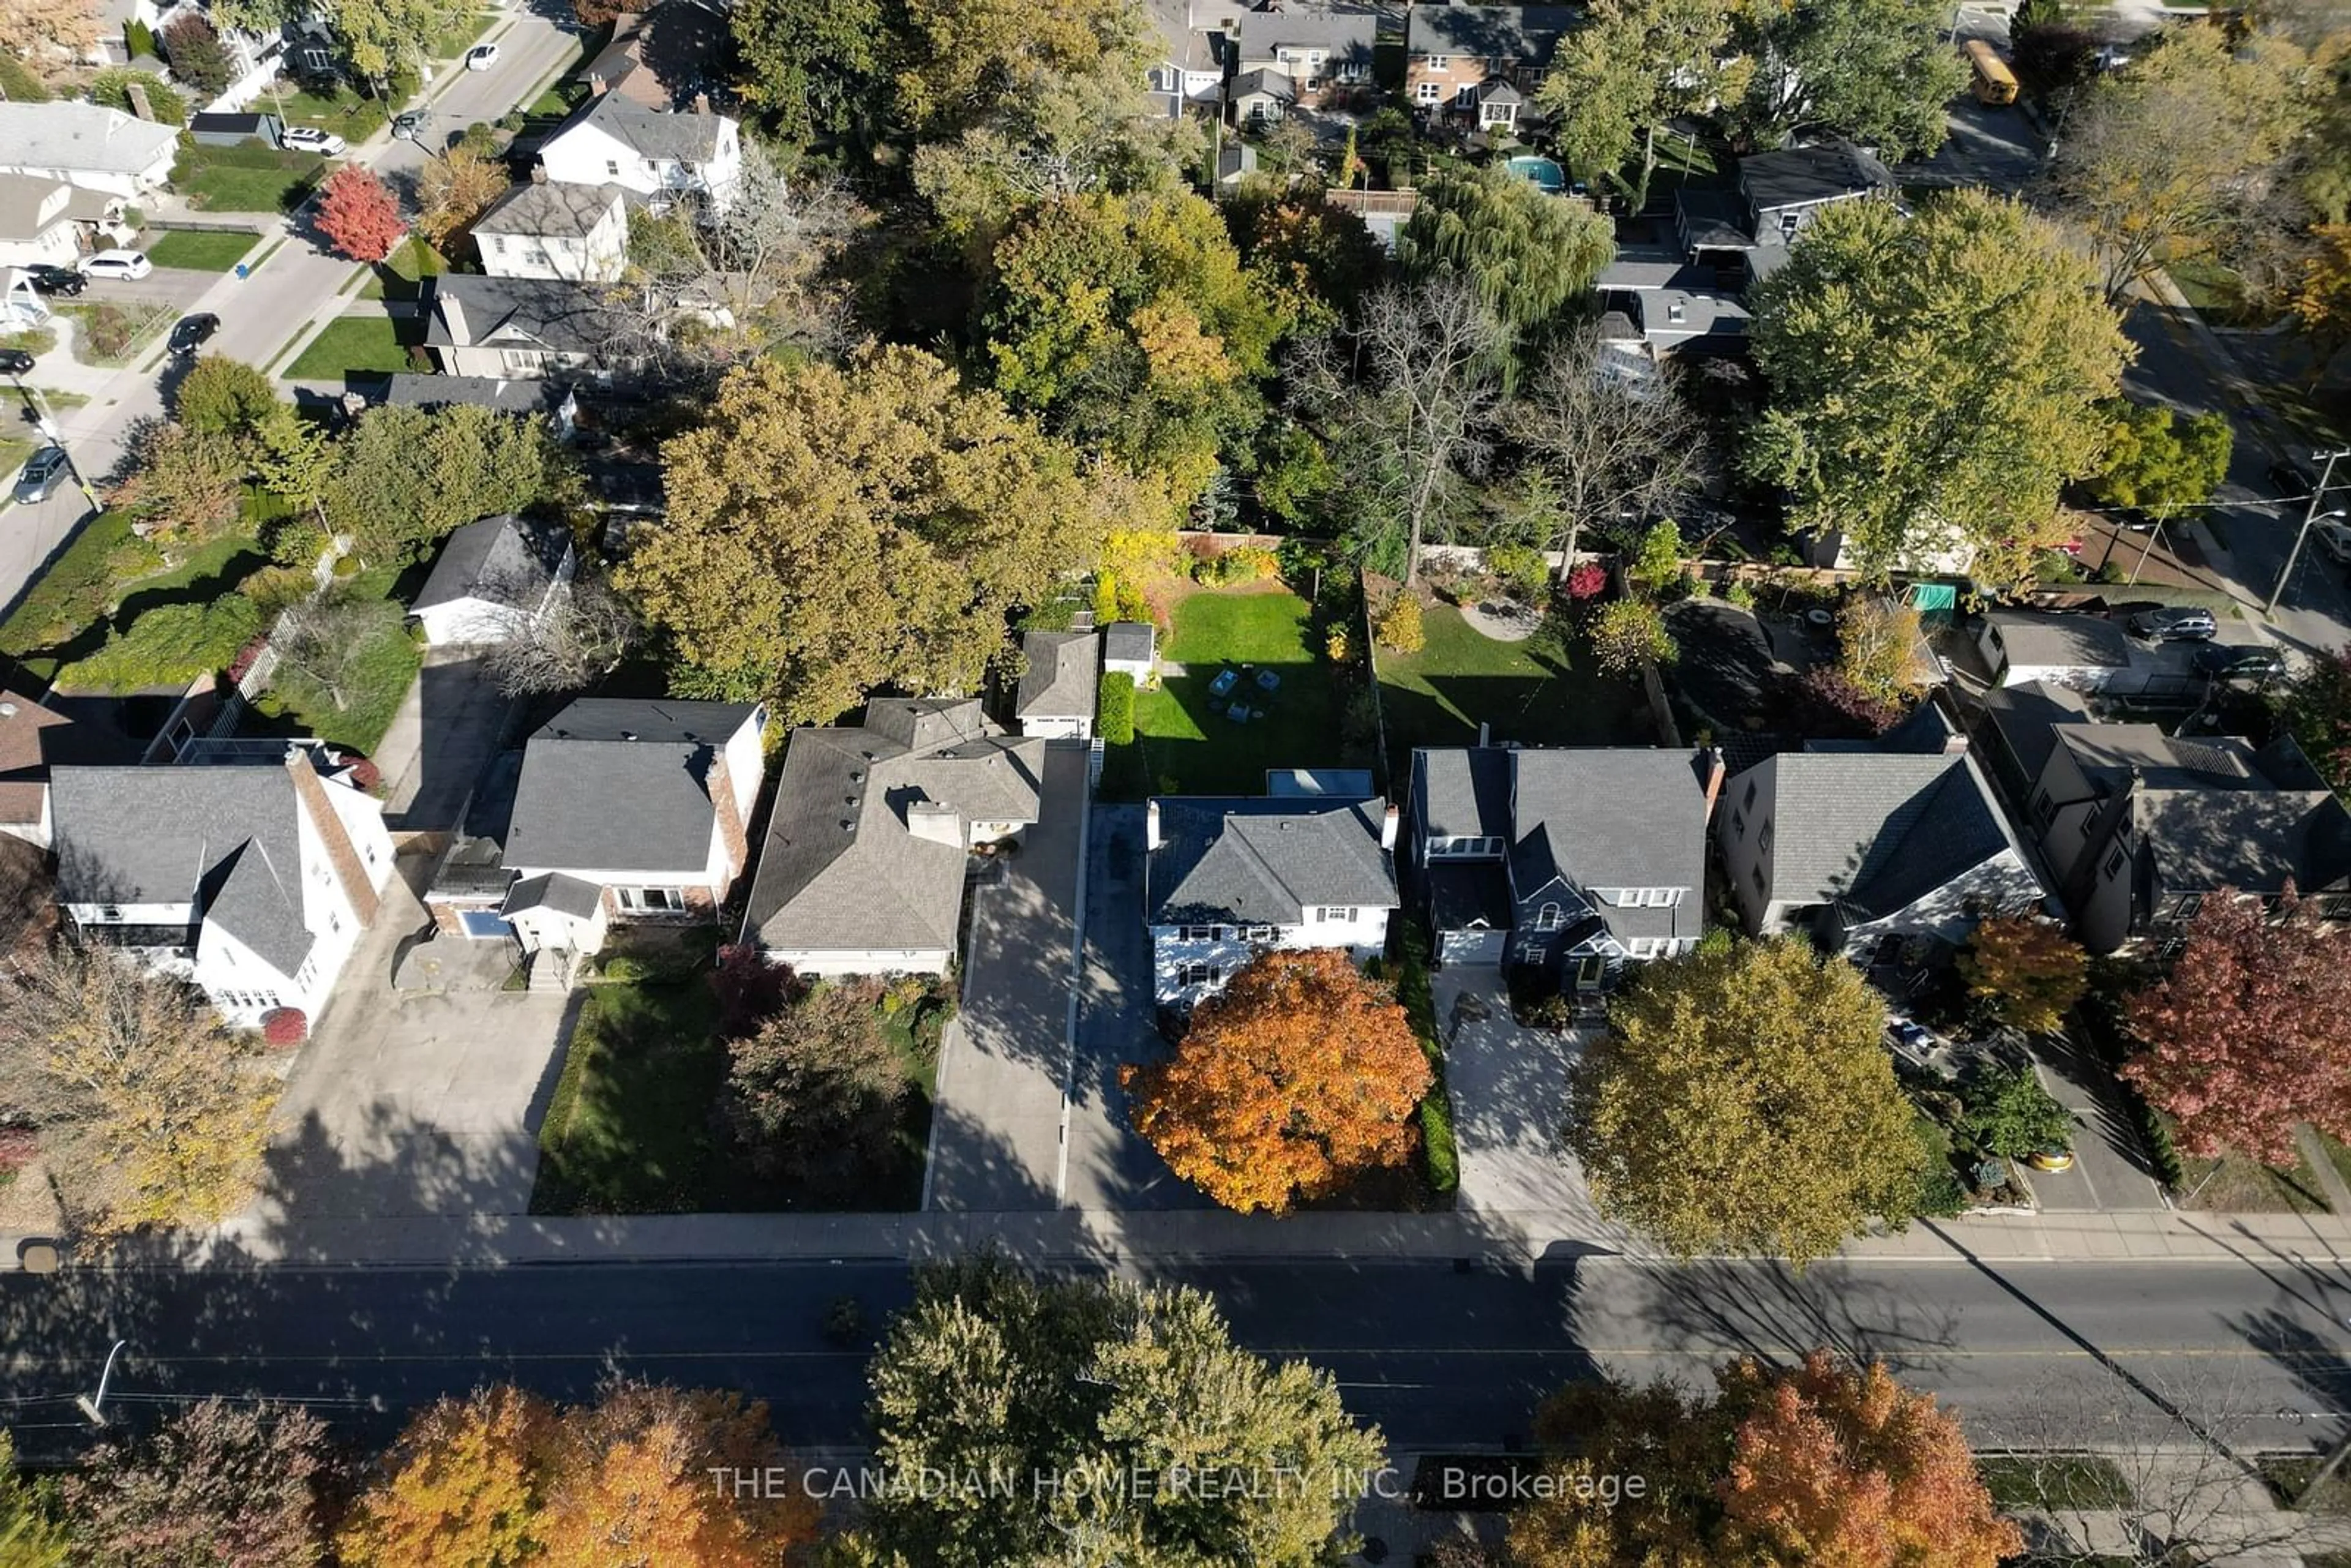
[
  {"x": 1127, "y": 322},
  {"x": 962, "y": 59},
  {"x": 832, "y": 529},
  {"x": 2160, "y": 463},
  {"x": 1523, "y": 252},
  {"x": 1933, "y": 375},
  {"x": 2181, "y": 149},
  {"x": 815, "y": 67},
  {"x": 1631, "y": 66},
  {"x": 404, "y": 477},
  {"x": 1742, "y": 1101},
  {"x": 1098, "y": 1421},
  {"x": 385, "y": 36},
  {"x": 30, "y": 1536},
  {"x": 1875, "y": 71}
]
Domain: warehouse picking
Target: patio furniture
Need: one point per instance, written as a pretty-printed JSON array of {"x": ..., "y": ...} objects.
[
  {"x": 1268, "y": 680},
  {"x": 1238, "y": 713},
  {"x": 1224, "y": 684}
]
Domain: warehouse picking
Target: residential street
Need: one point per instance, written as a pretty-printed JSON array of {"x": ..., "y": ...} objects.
[
  {"x": 293, "y": 290},
  {"x": 1440, "y": 1358}
]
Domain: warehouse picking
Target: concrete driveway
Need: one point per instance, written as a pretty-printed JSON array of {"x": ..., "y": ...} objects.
[
  {"x": 445, "y": 729},
  {"x": 996, "y": 1127},
  {"x": 2109, "y": 1170},
  {"x": 414, "y": 1103},
  {"x": 1509, "y": 1097}
]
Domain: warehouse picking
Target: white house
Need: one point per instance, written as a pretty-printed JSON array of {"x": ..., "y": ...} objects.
[
  {"x": 2086, "y": 652},
  {"x": 629, "y": 810},
  {"x": 87, "y": 146},
  {"x": 863, "y": 868},
  {"x": 1056, "y": 700},
  {"x": 1130, "y": 647},
  {"x": 497, "y": 576},
  {"x": 1226, "y": 878},
  {"x": 659, "y": 155},
  {"x": 578, "y": 233},
  {"x": 252, "y": 881},
  {"x": 515, "y": 328},
  {"x": 44, "y": 221}
]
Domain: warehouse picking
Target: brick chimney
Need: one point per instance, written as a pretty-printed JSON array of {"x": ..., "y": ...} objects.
[
  {"x": 1151, "y": 825},
  {"x": 311, "y": 791},
  {"x": 1716, "y": 774},
  {"x": 731, "y": 827},
  {"x": 1388, "y": 829}
]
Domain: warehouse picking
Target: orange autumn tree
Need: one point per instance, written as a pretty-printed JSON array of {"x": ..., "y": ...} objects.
[
  {"x": 1835, "y": 1467},
  {"x": 1298, "y": 1076},
  {"x": 504, "y": 1478}
]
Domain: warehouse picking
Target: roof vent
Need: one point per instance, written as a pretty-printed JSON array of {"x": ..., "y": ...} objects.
[
  {"x": 856, "y": 776},
  {"x": 844, "y": 824},
  {"x": 631, "y": 735},
  {"x": 7, "y": 710}
]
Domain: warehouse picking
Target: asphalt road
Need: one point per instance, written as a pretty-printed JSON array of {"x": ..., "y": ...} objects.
[{"x": 2254, "y": 1353}]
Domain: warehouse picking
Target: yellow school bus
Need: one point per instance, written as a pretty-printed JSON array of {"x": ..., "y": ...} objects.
[{"x": 1994, "y": 83}]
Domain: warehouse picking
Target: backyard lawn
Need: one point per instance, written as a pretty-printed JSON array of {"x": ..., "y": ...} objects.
[
  {"x": 1537, "y": 690},
  {"x": 1185, "y": 744},
  {"x": 363, "y": 340},
  {"x": 383, "y": 667},
  {"x": 245, "y": 179},
  {"x": 202, "y": 250}
]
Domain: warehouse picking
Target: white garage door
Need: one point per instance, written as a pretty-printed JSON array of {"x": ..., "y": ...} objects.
[{"x": 1473, "y": 947}]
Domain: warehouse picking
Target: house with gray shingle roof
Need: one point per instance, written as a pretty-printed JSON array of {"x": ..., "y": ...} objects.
[
  {"x": 1572, "y": 860},
  {"x": 252, "y": 877},
  {"x": 2139, "y": 828},
  {"x": 1308, "y": 55},
  {"x": 629, "y": 810},
  {"x": 1227, "y": 877},
  {"x": 578, "y": 233},
  {"x": 864, "y": 865},
  {"x": 1056, "y": 699},
  {"x": 656, "y": 155},
  {"x": 88, "y": 145},
  {"x": 1862, "y": 843},
  {"x": 496, "y": 577},
  {"x": 516, "y": 328}
]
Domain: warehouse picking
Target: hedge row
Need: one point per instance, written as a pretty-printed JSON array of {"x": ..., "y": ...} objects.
[{"x": 1115, "y": 709}]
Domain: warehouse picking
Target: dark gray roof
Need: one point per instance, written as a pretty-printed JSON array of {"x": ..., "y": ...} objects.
[
  {"x": 550, "y": 209},
  {"x": 2249, "y": 840},
  {"x": 554, "y": 889},
  {"x": 839, "y": 868},
  {"x": 1265, "y": 79},
  {"x": 2026, "y": 717},
  {"x": 620, "y": 785},
  {"x": 475, "y": 863},
  {"x": 1129, "y": 640},
  {"x": 1875, "y": 831},
  {"x": 1613, "y": 817},
  {"x": 1352, "y": 783},
  {"x": 230, "y": 124},
  {"x": 225, "y": 839},
  {"x": 567, "y": 318},
  {"x": 1345, "y": 33},
  {"x": 1494, "y": 89},
  {"x": 1527, "y": 34},
  {"x": 2060, "y": 640},
  {"x": 1462, "y": 791},
  {"x": 2110, "y": 755},
  {"x": 1794, "y": 176},
  {"x": 1062, "y": 676},
  {"x": 408, "y": 389},
  {"x": 1254, "y": 861},
  {"x": 504, "y": 559},
  {"x": 1716, "y": 219},
  {"x": 682, "y": 135}
]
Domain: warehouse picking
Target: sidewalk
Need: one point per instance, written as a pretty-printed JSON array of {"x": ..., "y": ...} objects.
[{"x": 1100, "y": 1235}]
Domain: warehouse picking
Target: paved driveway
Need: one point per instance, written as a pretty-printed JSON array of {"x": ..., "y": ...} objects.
[
  {"x": 996, "y": 1129},
  {"x": 414, "y": 1102},
  {"x": 445, "y": 729},
  {"x": 1509, "y": 1096},
  {"x": 2109, "y": 1170}
]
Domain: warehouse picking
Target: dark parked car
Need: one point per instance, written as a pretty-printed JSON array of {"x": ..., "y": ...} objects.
[
  {"x": 63, "y": 280},
  {"x": 190, "y": 334},
  {"x": 2235, "y": 662},
  {"x": 44, "y": 471},
  {"x": 2175, "y": 623},
  {"x": 15, "y": 362},
  {"x": 409, "y": 127}
]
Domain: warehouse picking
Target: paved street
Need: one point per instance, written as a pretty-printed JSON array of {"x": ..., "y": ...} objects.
[{"x": 1440, "y": 1358}]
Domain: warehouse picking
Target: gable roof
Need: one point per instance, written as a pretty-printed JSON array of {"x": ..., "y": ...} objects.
[
  {"x": 226, "y": 841},
  {"x": 567, "y": 318},
  {"x": 1794, "y": 176},
  {"x": 1256, "y": 861},
  {"x": 2254, "y": 840},
  {"x": 24, "y": 771},
  {"x": 23, "y": 198},
  {"x": 1875, "y": 831},
  {"x": 621, "y": 784},
  {"x": 1613, "y": 817},
  {"x": 1062, "y": 677},
  {"x": 2027, "y": 715},
  {"x": 1129, "y": 641},
  {"x": 683, "y": 136},
  {"x": 1264, "y": 80},
  {"x": 2056, "y": 641},
  {"x": 83, "y": 138},
  {"x": 547, "y": 209},
  {"x": 1461, "y": 792},
  {"x": 503, "y": 559},
  {"x": 663, "y": 58},
  {"x": 1341, "y": 32},
  {"x": 841, "y": 869},
  {"x": 1526, "y": 34}
]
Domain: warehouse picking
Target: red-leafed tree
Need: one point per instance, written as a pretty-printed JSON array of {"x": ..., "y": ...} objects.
[
  {"x": 358, "y": 215},
  {"x": 1842, "y": 1468},
  {"x": 2316, "y": 712},
  {"x": 2251, "y": 1032},
  {"x": 1300, "y": 1075}
]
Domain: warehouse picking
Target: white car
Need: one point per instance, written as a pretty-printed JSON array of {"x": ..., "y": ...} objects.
[
  {"x": 481, "y": 56},
  {"x": 117, "y": 264},
  {"x": 310, "y": 139},
  {"x": 2335, "y": 541}
]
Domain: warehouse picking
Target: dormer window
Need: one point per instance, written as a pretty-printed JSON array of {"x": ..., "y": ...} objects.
[{"x": 1547, "y": 919}]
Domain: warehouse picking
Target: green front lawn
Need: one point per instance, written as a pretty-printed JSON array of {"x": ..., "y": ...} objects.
[
  {"x": 1186, "y": 742},
  {"x": 2239, "y": 1184},
  {"x": 245, "y": 179},
  {"x": 106, "y": 578},
  {"x": 346, "y": 114},
  {"x": 202, "y": 250},
  {"x": 462, "y": 34},
  {"x": 1546, "y": 691},
  {"x": 364, "y": 341},
  {"x": 628, "y": 1130}
]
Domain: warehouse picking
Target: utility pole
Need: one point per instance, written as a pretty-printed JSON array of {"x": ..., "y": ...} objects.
[
  {"x": 2309, "y": 516},
  {"x": 94, "y": 1406}
]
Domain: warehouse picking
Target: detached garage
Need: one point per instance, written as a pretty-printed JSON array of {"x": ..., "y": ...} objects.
[
  {"x": 1058, "y": 689},
  {"x": 496, "y": 579}
]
